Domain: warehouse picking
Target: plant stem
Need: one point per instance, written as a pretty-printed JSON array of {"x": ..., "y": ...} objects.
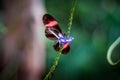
[
  {"x": 71, "y": 17},
  {"x": 110, "y": 50},
  {"x": 52, "y": 69}
]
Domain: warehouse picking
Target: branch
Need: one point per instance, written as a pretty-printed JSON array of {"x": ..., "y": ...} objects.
[{"x": 52, "y": 69}]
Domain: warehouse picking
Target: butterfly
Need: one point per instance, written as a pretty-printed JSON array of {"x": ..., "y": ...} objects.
[{"x": 53, "y": 32}]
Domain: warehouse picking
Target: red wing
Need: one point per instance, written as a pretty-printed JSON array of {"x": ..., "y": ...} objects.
[
  {"x": 66, "y": 47},
  {"x": 56, "y": 46},
  {"x": 51, "y": 33},
  {"x": 50, "y": 22}
]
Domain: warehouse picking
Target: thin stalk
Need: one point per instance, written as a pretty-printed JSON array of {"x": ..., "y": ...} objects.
[
  {"x": 110, "y": 50},
  {"x": 52, "y": 69},
  {"x": 71, "y": 17}
]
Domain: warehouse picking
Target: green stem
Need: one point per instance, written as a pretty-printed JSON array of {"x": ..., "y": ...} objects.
[
  {"x": 71, "y": 17},
  {"x": 52, "y": 69},
  {"x": 110, "y": 50}
]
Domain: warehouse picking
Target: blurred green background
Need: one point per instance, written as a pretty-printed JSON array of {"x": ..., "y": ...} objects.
[{"x": 96, "y": 25}]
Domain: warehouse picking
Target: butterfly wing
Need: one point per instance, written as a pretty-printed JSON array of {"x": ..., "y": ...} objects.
[
  {"x": 66, "y": 47},
  {"x": 50, "y": 22},
  {"x": 57, "y": 46},
  {"x": 51, "y": 33},
  {"x": 52, "y": 27}
]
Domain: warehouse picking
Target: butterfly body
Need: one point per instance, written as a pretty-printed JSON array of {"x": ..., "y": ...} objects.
[{"x": 53, "y": 32}]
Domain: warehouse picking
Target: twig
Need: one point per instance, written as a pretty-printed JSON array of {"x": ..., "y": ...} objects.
[
  {"x": 52, "y": 69},
  {"x": 110, "y": 50},
  {"x": 71, "y": 17}
]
